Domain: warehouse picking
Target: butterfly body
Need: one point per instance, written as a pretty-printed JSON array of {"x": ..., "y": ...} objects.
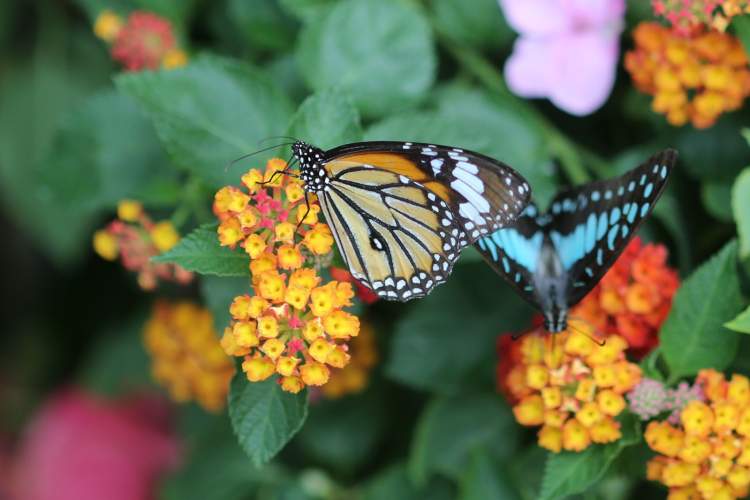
[
  {"x": 554, "y": 259},
  {"x": 401, "y": 212},
  {"x": 551, "y": 286}
]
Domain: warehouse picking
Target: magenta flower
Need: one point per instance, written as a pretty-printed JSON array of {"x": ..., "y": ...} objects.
[
  {"x": 566, "y": 51},
  {"x": 79, "y": 447}
]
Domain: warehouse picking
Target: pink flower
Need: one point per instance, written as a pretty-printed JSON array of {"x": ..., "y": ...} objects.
[
  {"x": 81, "y": 448},
  {"x": 566, "y": 50},
  {"x": 143, "y": 42}
]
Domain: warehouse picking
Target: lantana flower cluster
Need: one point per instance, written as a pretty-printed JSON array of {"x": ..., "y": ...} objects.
[
  {"x": 687, "y": 15},
  {"x": 186, "y": 356},
  {"x": 142, "y": 41},
  {"x": 634, "y": 298},
  {"x": 707, "y": 453},
  {"x": 353, "y": 378},
  {"x": 570, "y": 386},
  {"x": 651, "y": 398},
  {"x": 292, "y": 324},
  {"x": 693, "y": 78},
  {"x": 135, "y": 238}
]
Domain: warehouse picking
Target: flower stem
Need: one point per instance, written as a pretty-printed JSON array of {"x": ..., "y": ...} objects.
[{"x": 562, "y": 148}]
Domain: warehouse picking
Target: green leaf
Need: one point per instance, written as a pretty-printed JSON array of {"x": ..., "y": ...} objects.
[
  {"x": 569, "y": 473},
  {"x": 327, "y": 119},
  {"x": 431, "y": 349},
  {"x": 393, "y": 483},
  {"x": 693, "y": 337},
  {"x": 200, "y": 252},
  {"x": 213, "y": 464},
  {"x": 177, "y": 11},
  {"x": 262, "y": 24},
  {"x": 486, "y": 478},
  {"x": 118, "y": 364},
  {"x": 335, "y": 436},
  {"x": 218, "y": 293},
  {"x": 717, "y": 198},
  {"x": 380, "y": 51},
  {"x": 741, "y": 25},
  {"x": 741, "y": 210},
  {"x": 715, "y": 154},
  {"x": 307, "y": 10},
  {"x": 220, "y": 472},
  {"x": 210, "y": 113},
  {"x": 483, "y": 419},
  {"x": 264, "y": 417},
  {"x": 741, "y": 323},
  {"x": 479, "y": 23},
  {"x": 463, "y": 118},
  {"x": 104, "y": 151}
]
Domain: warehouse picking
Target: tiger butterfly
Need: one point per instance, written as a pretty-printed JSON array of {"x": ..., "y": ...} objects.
[{"x": 401, "y": 212}]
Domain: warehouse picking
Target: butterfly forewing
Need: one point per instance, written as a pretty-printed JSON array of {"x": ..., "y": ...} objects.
[
  {"x": 402, "y": 212},
  {"x": 606, "y": 216},
  {"x": 484, "y": 193}
]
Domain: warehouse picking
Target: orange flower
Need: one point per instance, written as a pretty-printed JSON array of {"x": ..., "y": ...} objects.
[
  {"x": 707, "y": 453},
  {"x": 144, "y": 41},
  {"x": 290, "y": 324},
  {"x": 572, "y": 391},
  {"x": 135, "y": 238},
  {"x": 686, "y": 16},
  {"x": 632, "y": 300},
  {"x": 672, "y": 66},
  {"x": 186, "y": 357}
]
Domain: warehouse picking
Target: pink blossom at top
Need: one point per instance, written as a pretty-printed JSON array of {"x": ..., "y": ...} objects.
[
  {"x": 81, "y": 448},
  {"x": 567, "y": 50}
]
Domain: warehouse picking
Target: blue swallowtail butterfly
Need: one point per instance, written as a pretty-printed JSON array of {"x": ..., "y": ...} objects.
[
  {"x": 554, "y": 259},
  {"x": 401, "y": 212}
]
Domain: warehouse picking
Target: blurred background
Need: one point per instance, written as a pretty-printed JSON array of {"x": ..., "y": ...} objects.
[{"x": 90, "y": 116}]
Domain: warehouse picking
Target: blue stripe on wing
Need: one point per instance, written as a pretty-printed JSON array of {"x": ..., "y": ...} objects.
[{"x": 514, "y": 252}]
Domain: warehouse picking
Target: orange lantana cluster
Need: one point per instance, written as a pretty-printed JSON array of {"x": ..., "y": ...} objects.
[
  {"x": 634, "y": 298},
  {"x": 354, "y": 376},
  {"x": 142, "y": 41},
  {"x": 291, "y": 324},
  {"x": 687, "y": 15},
  {"x": 570, "y": 386},
  {"x": 693, "y": 78},
  {"x": 135, "y": 238},
  {"x": 707, "y": 455},
  {"x": 186, "y": 356}
]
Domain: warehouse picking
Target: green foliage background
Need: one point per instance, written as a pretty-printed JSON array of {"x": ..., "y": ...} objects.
[{"x": 76, "y": 136}]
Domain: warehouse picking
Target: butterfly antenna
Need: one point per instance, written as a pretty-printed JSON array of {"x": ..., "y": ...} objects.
[
  {"x": 243, "y": 157},
  {"x": 601, "y": 343},
  {"x": 285, "y": 137}
]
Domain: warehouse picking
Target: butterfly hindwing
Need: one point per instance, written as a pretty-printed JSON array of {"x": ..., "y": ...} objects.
[
  {"x": 513, "y": 252},
  {"x": 397, "y": 237}
]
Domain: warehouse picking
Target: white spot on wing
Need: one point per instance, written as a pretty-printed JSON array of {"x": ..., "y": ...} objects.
[
  {"x": 472, "y": 180},
  {"x": 478, "y": 202},
  {"x": 468, "y": 211}
]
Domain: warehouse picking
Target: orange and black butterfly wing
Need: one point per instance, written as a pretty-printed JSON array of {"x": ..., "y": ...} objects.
[{"x": 400, "y": 222}]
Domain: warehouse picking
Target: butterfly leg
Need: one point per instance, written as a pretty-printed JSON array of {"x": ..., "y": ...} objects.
[
  {"x": 307, "y": 211},
  {"x": 597, "y": 333}
]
